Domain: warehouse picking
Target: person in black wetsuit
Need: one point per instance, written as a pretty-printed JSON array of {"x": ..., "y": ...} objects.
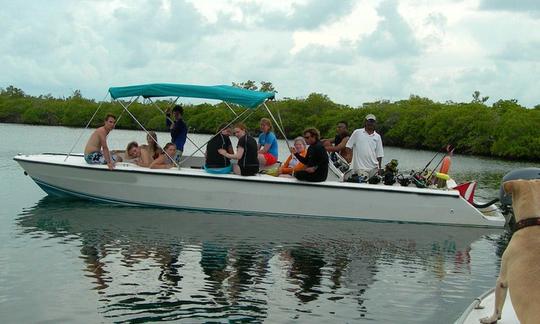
[
  {"x": 316, "y": 160},
  {"x": 215, "y": 162},
  {"x": 246, "y": 152}
]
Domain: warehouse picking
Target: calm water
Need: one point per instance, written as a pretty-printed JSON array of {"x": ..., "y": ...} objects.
[{"x": 78, "y": 261}]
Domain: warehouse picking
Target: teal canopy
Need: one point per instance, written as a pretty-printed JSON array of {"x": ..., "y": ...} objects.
[{"x": 243, "y": 97}]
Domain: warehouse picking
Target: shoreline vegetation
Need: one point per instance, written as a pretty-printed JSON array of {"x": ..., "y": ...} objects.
[{"x": 504, "y": 130}]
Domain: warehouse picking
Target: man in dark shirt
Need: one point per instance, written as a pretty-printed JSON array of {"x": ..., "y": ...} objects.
[
  {"x": 340, "y": 142},
  {"x": 178, "y": 130},
  {"x": 216, "y": 162},
  {"x": 316, "y": 160}
]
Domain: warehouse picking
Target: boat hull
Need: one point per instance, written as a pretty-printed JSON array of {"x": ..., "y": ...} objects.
[{"x": 262, "y": 194}]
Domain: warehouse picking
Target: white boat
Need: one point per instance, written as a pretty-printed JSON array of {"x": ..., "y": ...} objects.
[
  {"x": 483, "y": 307},
  {"x": 190, "y": 187},
  {"x": 193, "y": 188}
]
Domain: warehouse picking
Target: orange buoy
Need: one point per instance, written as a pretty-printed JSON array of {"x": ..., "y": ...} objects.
[{"x": 445, "y": 166}]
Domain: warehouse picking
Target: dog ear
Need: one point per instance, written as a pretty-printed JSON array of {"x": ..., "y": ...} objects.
[{"x": 508, "y": 186}]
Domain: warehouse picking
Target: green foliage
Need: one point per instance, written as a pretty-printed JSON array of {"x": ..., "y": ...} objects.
[
  {"x": 505, "y": 129},
  {"x": 252, "y": 85}
]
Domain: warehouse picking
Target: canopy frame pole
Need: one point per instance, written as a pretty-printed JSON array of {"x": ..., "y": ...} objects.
[
  {"x": 87, "y": 124},
  {"x": 277, "y": 124},
  {"x": 230, "y": 108},
  {"x": 228, "y": 125},
  {"x": 148, "y": 133},
  {"x": 172, "y": 121},
  {"x": 145, "y": 130},
  {"x": 119, "y": 117}
]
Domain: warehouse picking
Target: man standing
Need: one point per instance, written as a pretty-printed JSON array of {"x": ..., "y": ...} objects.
[
  {"x": 96, "y": 150},
  {"x": 178, "y": 130},
  {"x": 367, "y": 148}
]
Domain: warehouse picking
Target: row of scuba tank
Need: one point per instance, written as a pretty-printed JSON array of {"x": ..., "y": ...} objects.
[{"x": 390, "y": 176}]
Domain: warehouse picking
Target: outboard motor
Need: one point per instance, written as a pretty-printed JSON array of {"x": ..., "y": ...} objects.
[{"x": 519, "y": 174}]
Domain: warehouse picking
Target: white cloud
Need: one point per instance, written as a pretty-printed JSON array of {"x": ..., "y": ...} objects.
[{"x": 354, "y": 51}]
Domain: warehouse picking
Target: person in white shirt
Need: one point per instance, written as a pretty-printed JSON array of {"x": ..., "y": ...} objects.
[{"x": 367, "y": 148}]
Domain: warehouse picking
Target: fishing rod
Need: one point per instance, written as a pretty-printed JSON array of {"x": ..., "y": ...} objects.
[
  {"x": 449, "y": 150},
  {"x": 433, "y": 158}
]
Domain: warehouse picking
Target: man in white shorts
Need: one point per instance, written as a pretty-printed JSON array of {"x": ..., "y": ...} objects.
[{"x": 367, "y": 148}]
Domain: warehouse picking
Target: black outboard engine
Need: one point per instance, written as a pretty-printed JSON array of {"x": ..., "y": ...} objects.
[{"x": 523, "y": 174}]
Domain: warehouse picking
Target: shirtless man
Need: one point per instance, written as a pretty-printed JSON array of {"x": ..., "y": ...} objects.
[
  {"x": 520, "y": 263},
  {"x": 96, "y": 150}
]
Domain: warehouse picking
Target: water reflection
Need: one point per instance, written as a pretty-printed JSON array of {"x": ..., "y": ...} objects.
[{"x": 152, "y": 264}]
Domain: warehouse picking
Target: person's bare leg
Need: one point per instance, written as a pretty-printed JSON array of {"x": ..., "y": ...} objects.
[
  {"x": 236, "y": 169},
  {"x": 262, "y": 160}
]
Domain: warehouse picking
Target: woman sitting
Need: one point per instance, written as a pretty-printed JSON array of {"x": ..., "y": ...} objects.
[
  {"x": 292, "y": 164},
  {"x": 150, "y": 151},
  {"x": 166, "y": 159},
  {"x": 268, "y": 146},
  {"x": 246, "y": 152}
]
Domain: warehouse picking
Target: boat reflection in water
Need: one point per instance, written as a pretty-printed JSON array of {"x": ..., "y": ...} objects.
[{"x": 154, "y": 264}]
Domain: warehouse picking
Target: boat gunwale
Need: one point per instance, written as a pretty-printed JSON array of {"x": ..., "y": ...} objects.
[{"x": 232, "y": 177}]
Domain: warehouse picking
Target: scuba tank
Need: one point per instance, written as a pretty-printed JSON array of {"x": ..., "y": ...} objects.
[{"x": 390, "y": 172}]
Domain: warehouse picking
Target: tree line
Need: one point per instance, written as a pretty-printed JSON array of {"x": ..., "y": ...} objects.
[{"x": 504, "y": 129}]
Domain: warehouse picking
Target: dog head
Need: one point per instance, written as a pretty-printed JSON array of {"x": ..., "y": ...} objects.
[{"x": 525, "y": 197}]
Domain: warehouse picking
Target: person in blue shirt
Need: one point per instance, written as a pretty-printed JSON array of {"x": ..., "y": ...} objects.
[
  {"x": 178, "y": 129},
  {"x": 268, "y": 146}
]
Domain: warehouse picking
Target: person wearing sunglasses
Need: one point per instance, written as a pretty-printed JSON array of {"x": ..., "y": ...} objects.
[{"x": 316, "y": 159}]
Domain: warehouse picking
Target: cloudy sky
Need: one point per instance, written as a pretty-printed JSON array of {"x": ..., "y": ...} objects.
[{"x": 353, "y": 51}]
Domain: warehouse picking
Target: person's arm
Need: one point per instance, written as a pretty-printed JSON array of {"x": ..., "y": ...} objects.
[
  {"x": 237, "y": 156},
  {"x": 380, "y": 152},
  {"x": 106, "y": 152},
  {"x": 159, "y": 163},
  {"x": 230, "y": 149},
  {"x": 340, "y": 146},
  {"x": 264, "y": 149},
  {"x": 331, "y": 140},
  {"x": 303, "y": 159}
]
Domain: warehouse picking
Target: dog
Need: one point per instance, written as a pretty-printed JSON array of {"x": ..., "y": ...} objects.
[{"x": 520, "y": 263}]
